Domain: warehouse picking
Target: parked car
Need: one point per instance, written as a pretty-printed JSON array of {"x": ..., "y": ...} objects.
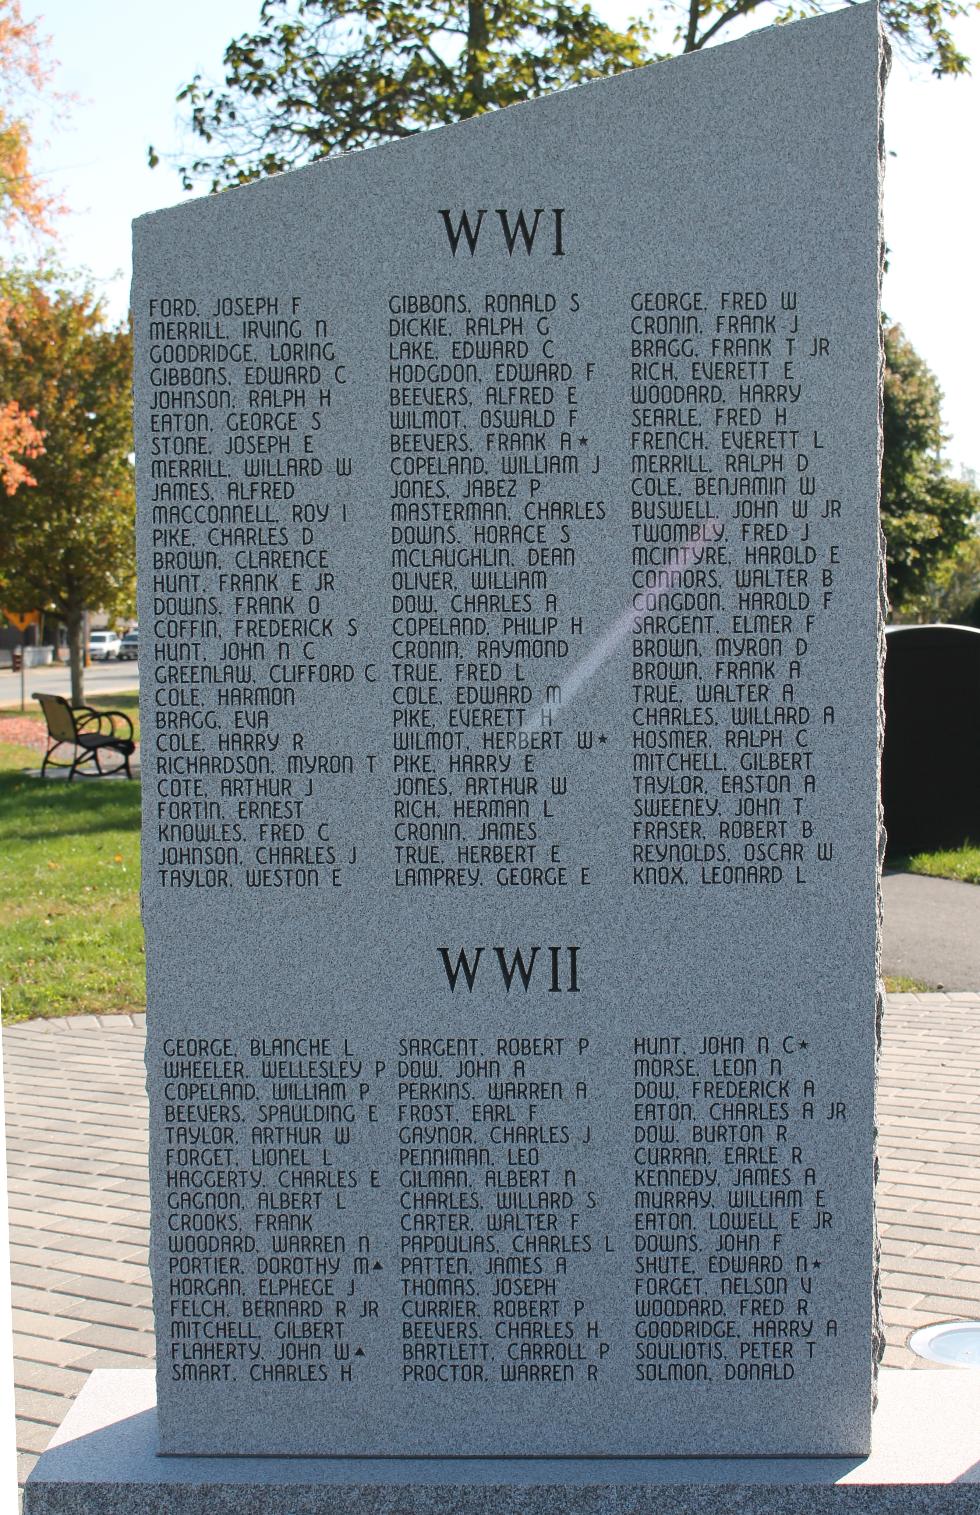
[
  {"x": 129, "y": 647},
  {"x": 103, "y": 645}
]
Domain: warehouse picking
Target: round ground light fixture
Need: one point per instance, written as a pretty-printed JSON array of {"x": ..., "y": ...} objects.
[{"x": 953, "y": 1343}]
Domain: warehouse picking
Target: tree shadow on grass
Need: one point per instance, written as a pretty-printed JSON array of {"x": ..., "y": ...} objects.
[{"x": 35, "y": 810}]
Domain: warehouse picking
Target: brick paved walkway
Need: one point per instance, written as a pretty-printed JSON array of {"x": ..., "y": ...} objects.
[
  {"x": 76, "y": 1176},
  {"x": 929, "y": 1196},
  {"x": 76, "y": 1143}
]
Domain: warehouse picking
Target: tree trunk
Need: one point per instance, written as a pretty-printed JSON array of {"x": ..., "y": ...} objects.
[
  {"x": 693, "y": 17},
  {"x": 477, "y": 44},
  {"x": 76, "y": 653}
]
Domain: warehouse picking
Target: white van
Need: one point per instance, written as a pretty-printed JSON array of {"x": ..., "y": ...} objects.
[{"x": 103, "y": 645}]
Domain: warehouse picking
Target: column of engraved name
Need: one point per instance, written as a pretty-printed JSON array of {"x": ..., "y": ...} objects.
[
  {"x": 488, "y": 515},
  {"x": 502, "y": 1244},
  {"x": 271, "y": 1192},
  {"x": 733, "y": 1210},
  {"x": 248, "y": 611},
  {"x": 732, "y": 579}
]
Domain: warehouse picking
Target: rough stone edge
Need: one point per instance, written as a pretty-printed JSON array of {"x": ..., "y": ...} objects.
[
  {"x": 877, "y": 1321},
  {"x": 456, "y": 1498}
]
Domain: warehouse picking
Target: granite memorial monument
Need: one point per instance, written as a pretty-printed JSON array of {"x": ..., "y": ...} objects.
[
  {"x": 510, "y": 591},
  {"x": 510, "y": 600}
]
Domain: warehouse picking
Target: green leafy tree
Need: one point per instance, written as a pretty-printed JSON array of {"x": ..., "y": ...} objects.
[
  {"x": 924, "y": 512},
  {"x": 67, "y": 545},
  {"x": 319, "y": 77},
  {"x": 953, "y": 591}
]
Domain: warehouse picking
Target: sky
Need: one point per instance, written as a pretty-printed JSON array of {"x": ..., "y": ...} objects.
[{"x": 125, "y": 60}]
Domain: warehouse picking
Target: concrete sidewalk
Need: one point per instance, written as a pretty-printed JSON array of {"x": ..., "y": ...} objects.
[
  {"x": 931, "y": 930},
  {"x": 76, "y": 1144}
]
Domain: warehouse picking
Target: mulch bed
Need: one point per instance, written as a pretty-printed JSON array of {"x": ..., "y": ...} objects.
[{"x": 23, "y": 731}]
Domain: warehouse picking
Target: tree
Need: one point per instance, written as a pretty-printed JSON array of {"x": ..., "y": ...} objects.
[
  {"x": 323, "y": 76},
  {"x": 319, "y": 77},
  {"x": 924, "y": 512},
  {"x": 25, "y": 77},
  {"x": 68, "y": 544},
  {"x": 953, "y": 591},
  {"x": 25, "y": 205},
  {"x": 20, "y": 441}
]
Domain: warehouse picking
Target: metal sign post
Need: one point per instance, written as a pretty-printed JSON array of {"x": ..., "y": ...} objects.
[{"x": 22, "y": 619}]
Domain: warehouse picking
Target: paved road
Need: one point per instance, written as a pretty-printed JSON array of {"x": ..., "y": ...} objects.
[
  {"x": 100, "y": 678},
  {"x": 76, "y": 1145},
  {"x": 931, "y": 930}
]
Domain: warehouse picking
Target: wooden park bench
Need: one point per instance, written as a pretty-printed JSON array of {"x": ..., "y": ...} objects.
[{"x": 91, "y": 734}]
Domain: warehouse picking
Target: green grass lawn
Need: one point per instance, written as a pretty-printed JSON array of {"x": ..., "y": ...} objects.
[
  {"x": 961, "y": 863},
  {"x": 71, "y": 941},
  {"x": 901, "y": 984}
]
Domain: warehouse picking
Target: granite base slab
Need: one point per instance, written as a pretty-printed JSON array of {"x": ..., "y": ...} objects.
[{"x": 925, "y": 1458}]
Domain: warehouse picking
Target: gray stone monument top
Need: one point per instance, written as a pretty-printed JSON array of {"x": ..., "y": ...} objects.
[{"x": 509, "y": 600}]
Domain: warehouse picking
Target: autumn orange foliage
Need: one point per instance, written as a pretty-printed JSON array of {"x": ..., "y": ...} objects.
[
  {"x": 25, "y": 75},
  {"x": 19, "y": 440},
  {"x": 25, "y": 205}
]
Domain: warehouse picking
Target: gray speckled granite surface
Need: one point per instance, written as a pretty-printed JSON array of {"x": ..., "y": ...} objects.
[
  {"x": 925, "y": 1460},
  {"x": 747, "y": 173}
]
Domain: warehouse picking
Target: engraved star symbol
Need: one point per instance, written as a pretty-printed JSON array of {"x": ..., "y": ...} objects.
[
  {"x": 816, "y": 1264},
  {"x": 603, "y": 738},
  {"x": 583, "y": 441},
  {"x": 803, "y": 1046}
]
